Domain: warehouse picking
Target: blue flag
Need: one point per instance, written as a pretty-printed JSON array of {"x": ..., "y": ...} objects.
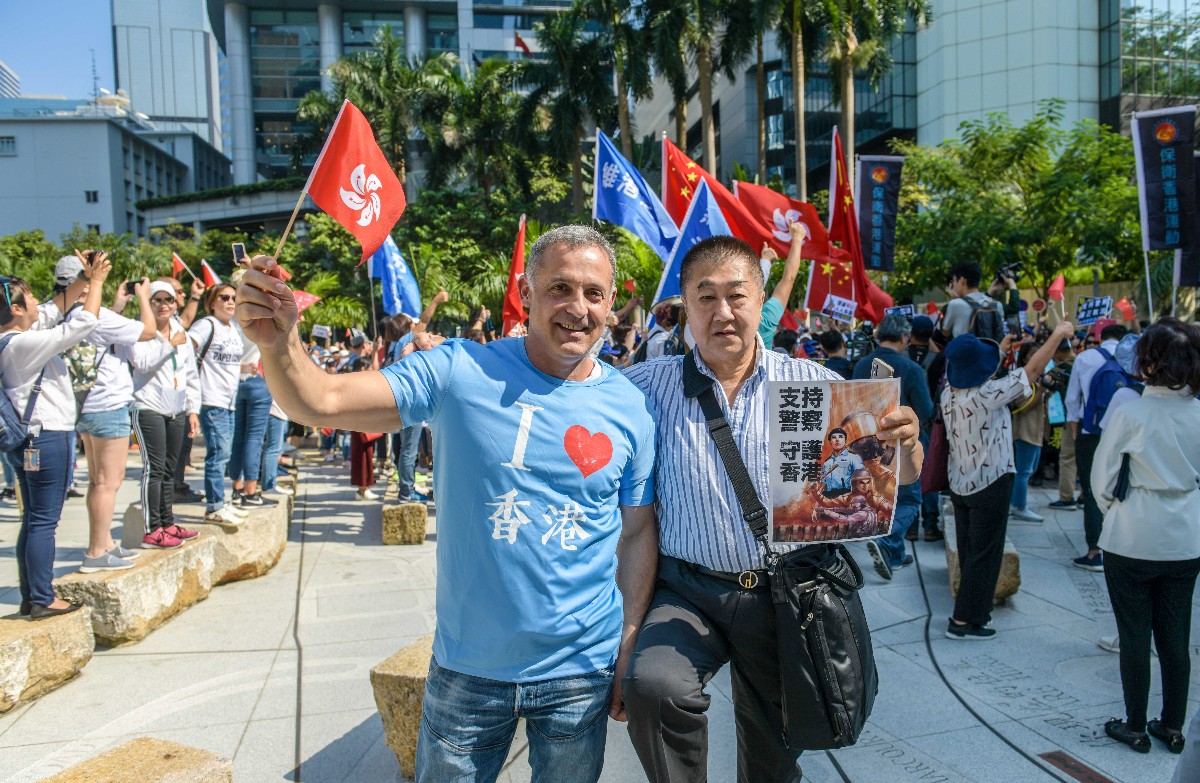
[
  {"x": 400, "y": 291},
  {"x": 621, "y": 196},
  {"x": 703, "y": 220}
]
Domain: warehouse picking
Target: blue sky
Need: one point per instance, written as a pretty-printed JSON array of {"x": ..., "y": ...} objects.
[{"x": 47, "y": 43}]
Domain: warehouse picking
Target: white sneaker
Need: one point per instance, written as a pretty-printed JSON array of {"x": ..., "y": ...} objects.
[
  {"x": 329, "y": 458},
  {"x": 283, "y": 491},
  {"x": 240, "y": 513},
  {"x": 366, "y": 494},
  {"x": 1113, "y": 644},
  {"x": 224, "y": 516},
  {"x": 1025, "y": 515}
]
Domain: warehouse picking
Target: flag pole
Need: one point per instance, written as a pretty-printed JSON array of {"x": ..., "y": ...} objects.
[
  {"x": 291, "y": 221},
  {"x": 1149, "y": 294},
  {"x": 374, "y": 322},
  {"x": 185, "y": 266}
]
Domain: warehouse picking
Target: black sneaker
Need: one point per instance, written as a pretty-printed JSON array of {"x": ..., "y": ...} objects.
[
  {"x": 1063, "y": 505},
  {"x": 74, "y": 493},
  {"x": 934, "y": 535},
  {"x": 237, "y": 498},
  {"x": 249, "y": 500},
  {"x": 912, "y": 533},
  {"x": 969, "y": 632},
  {"x": 188, "y": 495},
  {"x": 881, "y": 564},
  {"x": 8, "y": 493}
]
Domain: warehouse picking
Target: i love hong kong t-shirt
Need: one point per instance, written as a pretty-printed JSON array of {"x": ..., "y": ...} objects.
[{"x": 530, "y": 472}]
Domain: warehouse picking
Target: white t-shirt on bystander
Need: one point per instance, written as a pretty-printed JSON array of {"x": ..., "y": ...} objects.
[{"x": 221, "y": 364}]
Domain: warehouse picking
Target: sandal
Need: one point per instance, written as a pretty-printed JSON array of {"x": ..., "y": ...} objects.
[
  {"x": 1172, "y": 738},
  {"x": 1118, "y": 730}
]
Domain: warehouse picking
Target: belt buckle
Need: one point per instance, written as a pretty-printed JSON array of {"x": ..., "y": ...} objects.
[{"x": 748, "y": 579}]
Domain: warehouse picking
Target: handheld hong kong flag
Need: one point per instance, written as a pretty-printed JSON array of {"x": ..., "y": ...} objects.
[
  {"x": 354, "y": 183},
  {"x": 514, "y": 314},
  {"x": 681, "y": 177},
  {"x": 776, "y": 212},
  {"x": 210, "y": 277},
  {"x": 843, "y": 228}
]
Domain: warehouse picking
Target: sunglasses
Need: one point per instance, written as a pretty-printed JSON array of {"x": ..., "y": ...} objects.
[
  {"x": 158, "y": 301},
  {"x": 226, "y": 297}
]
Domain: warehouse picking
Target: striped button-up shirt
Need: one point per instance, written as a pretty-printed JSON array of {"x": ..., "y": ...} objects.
[{"x": 699, "y": 518}]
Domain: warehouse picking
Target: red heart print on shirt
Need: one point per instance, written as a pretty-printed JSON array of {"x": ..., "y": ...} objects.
[{"x": 589, "y": 452}]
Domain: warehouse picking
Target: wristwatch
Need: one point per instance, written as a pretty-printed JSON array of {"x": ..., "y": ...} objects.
[{"x": 194, "y": 298}]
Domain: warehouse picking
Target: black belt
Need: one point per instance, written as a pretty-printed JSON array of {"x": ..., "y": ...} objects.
[{"x": 753, "y": 579}]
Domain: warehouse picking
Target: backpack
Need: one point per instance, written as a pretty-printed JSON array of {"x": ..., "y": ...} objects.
[
  {"x": 83, "y": 364},
  {"x": 672, "y": 346},
  {"x": 207, "y": 344},
  {"x": 14, "y": 429},
  {"x": 985, "y": 323},
  {"x": 1103, "y": 386}
]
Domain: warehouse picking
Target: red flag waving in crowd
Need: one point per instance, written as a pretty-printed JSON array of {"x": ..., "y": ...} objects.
[
  {"x": 843, "y": 227},
  {"x": 354, "y": 183},
  {"x": 514, "y": 313},
  {"x": 681, "y": 175},
  {"x": 775, "y": 212}
]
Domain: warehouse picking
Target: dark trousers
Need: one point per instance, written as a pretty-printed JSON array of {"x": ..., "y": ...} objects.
[
  {"x": 980, "y": 521},
  {"x": 931, "y": 509},
  {"x": 695, "y": 625},
  {"x": 160, "y": 437},
  {"x": 44, "y": 491},
  {"x": 1153, "y": 596},
  {"x": 181, "y": 463},
  {"x": 1093, "y": 518}
]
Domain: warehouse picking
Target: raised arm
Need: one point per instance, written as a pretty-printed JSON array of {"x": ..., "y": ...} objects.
[
  {"x": 1042, "y": 356},
  {"x": 193, "y": 304},
  {"x": 145, "y": 311},
  {"x": 429, "y": 311},
  {"x": 358, "y": 402},
  {"x": 791, "y": 267}
]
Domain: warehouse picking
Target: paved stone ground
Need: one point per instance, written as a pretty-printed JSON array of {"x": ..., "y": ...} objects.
[{"x": 273, "y": 672}]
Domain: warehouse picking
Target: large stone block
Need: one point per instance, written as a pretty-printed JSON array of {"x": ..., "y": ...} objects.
[
  {"x": 244, "y": 552},
  {"x": 405, "y": 523},
  {"x": 399, "y": 685},
  {"x": 1010, "y": 566},
  {"x": 149, "y": 760},
  {"x": 127, "y": 605},
  {"x": 36, "y": 656}
]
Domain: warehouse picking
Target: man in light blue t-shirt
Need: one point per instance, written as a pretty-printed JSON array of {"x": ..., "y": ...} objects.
[{"x": 546, "y": 474}]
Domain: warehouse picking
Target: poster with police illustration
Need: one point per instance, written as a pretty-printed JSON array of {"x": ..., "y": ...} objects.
[{"x": 831, "y": 478}]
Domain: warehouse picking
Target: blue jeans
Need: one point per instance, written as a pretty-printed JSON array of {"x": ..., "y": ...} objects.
[
  {"x": 406, "y": 463},
  {"x": 1026, "y": 456},
  {"x": 908, "y": 503},
  {"x": 276, "y": 434},
  {"x": 73, "y": 442},
  {"x": 217, "y": 424},
  {"x": 468, "y": 723},
  {"x": 10, "y": 473},
  {"x": 44, "y": 491},
  {"x": 249, "y": 429}
]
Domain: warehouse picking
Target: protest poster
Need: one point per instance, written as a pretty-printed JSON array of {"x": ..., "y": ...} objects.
[
  {"x": 320, "y": 331},
  {"x": 908, "y": 311},
  {"x": 831, "y": 478},
  {"x": 838, "y": 308},
  {"x": 1089, "y": 309}
]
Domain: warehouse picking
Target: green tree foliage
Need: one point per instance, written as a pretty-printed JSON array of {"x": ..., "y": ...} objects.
[{"x": 1049, "y": 197}]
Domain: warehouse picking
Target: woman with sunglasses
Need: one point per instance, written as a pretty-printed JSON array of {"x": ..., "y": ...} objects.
[
  {"x": 166, "y": 407},
  {"x": 219, "y": 347},
  {"x": 29, "y": 357}
]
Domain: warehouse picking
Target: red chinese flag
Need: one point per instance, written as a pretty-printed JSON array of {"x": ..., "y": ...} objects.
[
  {"x": 177, "y": 265},
  {"x": 843, "y": 228},
  {"x": 304, "y": 300},
  {"x": 1125, "y": 309},
  {"x": 775, "y": 212},
  {"x": 514, "y": 313},
  {"x": 630, "y": 286},
  {"x": 210, "y": 277},
  {"x": 1055, "y": 291},
  {"x": 788, "y": 321},
  {"x": 681, "y": 175},
  {"x": 519, "y": 43},
  {"x": 931, "y": 308},
  {"x": 354, "y": 183},
  {"x": 832, "y": 276}
]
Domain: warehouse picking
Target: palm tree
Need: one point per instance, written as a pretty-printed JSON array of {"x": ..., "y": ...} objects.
[
  {"x": 860, "y": 36},
  {"x": 748, "y": 21},
  {"x": 389, "y": 89},
  {"x": 567, "y": 85},
  {"x": 799, "y": 35},
  {"x": 663, "y": 20},
  {"x": 630, "y": 61},
  {"x": 470, "y": 123}
]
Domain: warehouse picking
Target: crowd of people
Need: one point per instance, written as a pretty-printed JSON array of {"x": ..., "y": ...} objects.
[{"x": 555, "y": 472}]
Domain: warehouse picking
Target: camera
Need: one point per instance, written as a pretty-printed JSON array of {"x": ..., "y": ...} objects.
[
  {"x": 861, "y": 342},
  {"x": 1056, "y": 380},
  {"x": 1013, "y": 270},
  {"x": 130, "y": 286}
]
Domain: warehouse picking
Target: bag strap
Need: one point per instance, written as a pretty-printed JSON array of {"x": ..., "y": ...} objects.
[
  {"x": 754, "y": 513},
  {"x": 207, "y": 343},
  {"x": 34, "y": 393}
]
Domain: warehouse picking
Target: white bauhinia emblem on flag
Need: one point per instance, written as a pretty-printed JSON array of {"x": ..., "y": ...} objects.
[
  {"x": 363, "y": 198},
  {"x": 783, "y": 222}
]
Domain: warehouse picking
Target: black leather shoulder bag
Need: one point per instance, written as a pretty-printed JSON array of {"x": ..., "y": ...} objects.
[{"x": 826, "y": 663}]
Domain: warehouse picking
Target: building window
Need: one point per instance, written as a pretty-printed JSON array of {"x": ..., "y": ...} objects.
[
  {"x": 442, "y": 32},
  {"x": 93, "y": 228},
  {"x": 92, "y": 196},
  {"x": 8, "y": 145},
  {"x": 359, "y": 29}
]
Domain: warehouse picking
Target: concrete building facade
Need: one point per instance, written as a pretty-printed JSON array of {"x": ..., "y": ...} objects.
[
  {"x": 166, "y": 60},
  {"x": 10, "y": 83},
  {"x": 276, "y": 52}
]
